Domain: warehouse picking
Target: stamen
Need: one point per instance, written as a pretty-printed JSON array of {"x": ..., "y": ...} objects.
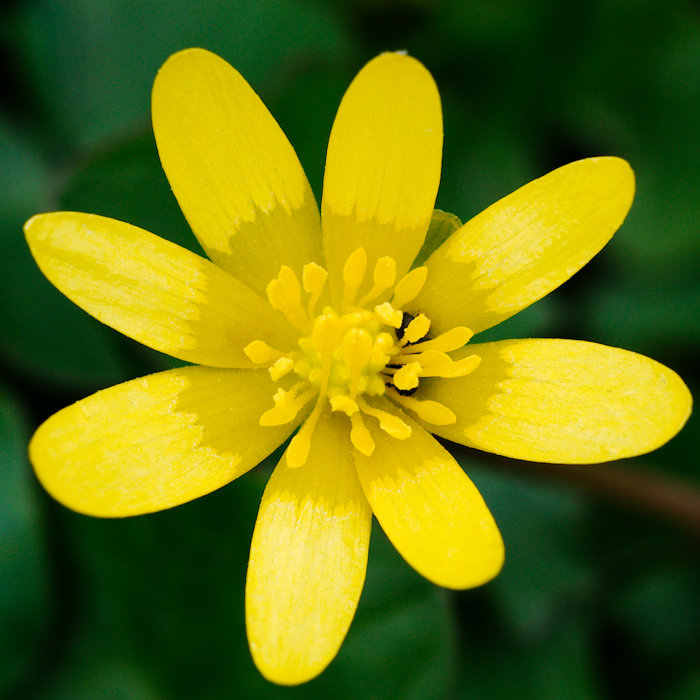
[
  {"x": 356, "y": 350},
  {"x": 406, "y": 378},
  {"x": 313, "y": 279},
  {"x": 439, "y": 364},
  {"x": 453, "y": 369},
  {"x": 388, "y": 422},
  {"x": 429, "y": 358},
  {"x": 282, "y": 366},
  {"x": 384, "y": 344},
  {"x": 287, "y": 405},
  {"x": 360, "y": 437},
  {"x": 284, "y": 295},
  {"x": 388, "y": 314},
  {"x": 448, "y": 341},
  {"x": 355, "y": 318},
  {"x": 260, "y": 352},
  {"x": 325, "y": 338},
  {"x": 409, "y": 287},
  {"x": 384, "y": 278},
  {"x": 416, "y": 329},
  {"x": 298, "y": 450},
  {"x": 429, "y": 411},
  {"x": 344, "y": 403},
  {"x": 353, "y": 274},
  {"x": 383, "y": 349},
  {"x": 344, "y": 358}
]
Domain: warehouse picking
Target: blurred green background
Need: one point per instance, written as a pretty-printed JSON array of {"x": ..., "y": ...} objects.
[{"x": 598, "y": 598}]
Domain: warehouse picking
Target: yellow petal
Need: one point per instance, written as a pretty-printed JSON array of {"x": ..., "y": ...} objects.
[
  {"x": 235, "y": 175},
  {"x": 152, "y": 290},
  {"x": 383, "y": 166},
  {"x": 429, "y": 509},
  {"x": 526, "y": 244},
  {"x": 562, "y": 401},
  {"x": 155, "y": 442},
  {"x": 307, "y": 559}
]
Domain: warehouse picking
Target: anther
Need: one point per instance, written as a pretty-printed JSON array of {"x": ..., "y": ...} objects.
[
  {"x": 448, "y": 341},
  {"x": 353, "y": 274},
  {"x": 344, "y": 403},
  {"x": 406, "y": 378},
  {"x": 390, "y": 423},
  {"x": 388, "y": 314},
  {"x": 453, "y": 368},
  {"x": 356, "y": 350},
  {"x": 284, "y": 295},
  {"x": 298, "y": 450},
  {"x": 384, "y": 278},
  {"x": 409, "y": 287},
  {"x": 313, "y": 279},
  {"x": 284, "y": 365},
  {"x": 260, "y": 352},
  {"x": 287, "y": 405},
  {"x": 360, "y": 437},
  {"x": 416, "y": 329},
  {"x": 429, "y": 411}
]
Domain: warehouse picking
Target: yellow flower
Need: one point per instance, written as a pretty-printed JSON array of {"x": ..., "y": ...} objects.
[{"x": 320, "y": 321}]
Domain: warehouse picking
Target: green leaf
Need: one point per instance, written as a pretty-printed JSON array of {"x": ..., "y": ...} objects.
[
  {"x": 659, "y": 609},
  {"x": 559, "y": 667},
  {"x": 688, "y": 688},
  {"x": 649, "y": 315},
  {"x": 93, "y": 63},
  {"x": 94, "y": 670},
  {"x": 545, "y": 571},
  {"x": 43, "y": 332},
  {"x": 24, "y": 592},
  {"x": 535, "y": 321},
  {"x": 125, "y": 181},
  {"x": 401, "y": 642},
  {"x": 305, "y": 107}
]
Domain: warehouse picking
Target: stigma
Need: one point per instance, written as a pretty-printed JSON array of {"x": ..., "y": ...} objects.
[{"x": 349, "y": 355}]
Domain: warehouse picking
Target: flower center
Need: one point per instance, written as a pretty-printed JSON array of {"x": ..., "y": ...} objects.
[{"x": 348, "y": 357}]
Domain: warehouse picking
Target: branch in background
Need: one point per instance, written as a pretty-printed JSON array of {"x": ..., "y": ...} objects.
[{"x": 642, "y": 488}]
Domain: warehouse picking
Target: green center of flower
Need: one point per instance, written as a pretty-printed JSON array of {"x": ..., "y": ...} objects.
[{"x": 366, "y": 350}]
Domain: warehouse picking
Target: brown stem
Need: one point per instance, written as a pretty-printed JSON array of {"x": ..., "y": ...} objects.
[{"x": 638, "y": 487}]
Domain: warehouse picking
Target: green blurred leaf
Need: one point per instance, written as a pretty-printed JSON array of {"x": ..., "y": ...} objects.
[
  {"x": 646, "y": 314},
  {"x": 687, "y": 689},
  {"x": 558, "y": 667},
  {"x": 125, "y": 181},
  {"x": 42, "y": 332},
  {"x": 94, "y": 671},
  {"x": 485, "y": 158},
  {"x": 94, "y": 62},
  {"x": 24, "y": 584},
  {"x": 305, "y": 107},
  {"x": 401, "y": 642},
  {"x": 535, "y": 321},
  {"x": 642, "y": 105},
  {"x": 659, "y": 609},
  {"x": 545, "y": 574}
]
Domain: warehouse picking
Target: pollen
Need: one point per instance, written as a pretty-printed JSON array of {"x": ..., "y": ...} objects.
[{"x": 348, "y": 357}]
